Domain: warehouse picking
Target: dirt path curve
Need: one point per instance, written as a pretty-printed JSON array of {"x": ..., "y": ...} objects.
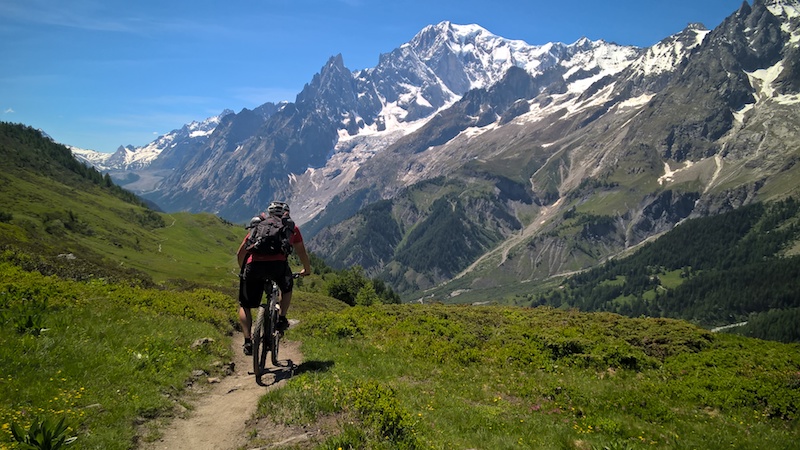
[{"x": 217, "y": 421}]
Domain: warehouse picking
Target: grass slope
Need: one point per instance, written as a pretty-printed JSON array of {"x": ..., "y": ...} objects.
[
  {"x": 446, "y": 377},
  {"x": 102, "y": 298},
  {"x": 48, "y": 217},
  {"x": 52, "y": 205}
]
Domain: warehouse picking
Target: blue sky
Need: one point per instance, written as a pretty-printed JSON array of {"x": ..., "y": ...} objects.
[{"x": 98, "y": 74}]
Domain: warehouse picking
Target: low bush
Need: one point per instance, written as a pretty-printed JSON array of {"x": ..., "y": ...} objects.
[{"x": 495, "y": 377}]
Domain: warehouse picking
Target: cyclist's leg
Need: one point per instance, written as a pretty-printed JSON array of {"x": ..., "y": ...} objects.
[
  {"x": 251, "y": 288},
  {"x": 286, "y": 284},
  {"x": 281, "y": 274},
  {"x": 246, "y": 320},
  {"x": 286, "y": 301}
]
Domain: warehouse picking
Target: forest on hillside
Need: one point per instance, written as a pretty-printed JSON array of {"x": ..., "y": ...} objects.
[
  {"x": 713, "y": 271},
  {"x": 25, "y": 148}
]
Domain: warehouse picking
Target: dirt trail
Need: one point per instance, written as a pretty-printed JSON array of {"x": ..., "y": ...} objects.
[{"x": 217, "y": 420}]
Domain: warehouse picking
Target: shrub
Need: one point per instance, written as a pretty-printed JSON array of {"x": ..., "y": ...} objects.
[
  {"x": 379, "y": 408},
  {"x": 44, "y": 434},
  {"x": 56, "y": 227},
  {"x": 366, "y": 296},
  {"x": 345, "y": 286}
]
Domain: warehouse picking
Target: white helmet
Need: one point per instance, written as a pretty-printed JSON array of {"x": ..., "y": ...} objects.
[{"x": 276, "y": 208}]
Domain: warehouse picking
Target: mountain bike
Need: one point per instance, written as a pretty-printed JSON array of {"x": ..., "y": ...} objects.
[{"x": 266, "y": 335}]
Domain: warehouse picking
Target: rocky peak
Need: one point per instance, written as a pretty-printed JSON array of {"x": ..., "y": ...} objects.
[
  {"x": 332, "y": 77},
  {"x": 583, "y": 44},
  {"x": 653, "y": 68},
  {"x": 744, "y": 10}
]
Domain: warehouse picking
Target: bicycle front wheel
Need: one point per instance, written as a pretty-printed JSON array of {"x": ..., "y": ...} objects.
[{"x": 260, "y": 347}]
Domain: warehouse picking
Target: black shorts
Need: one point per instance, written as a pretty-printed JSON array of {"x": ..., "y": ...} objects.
[{"x": 255, "y": 277}]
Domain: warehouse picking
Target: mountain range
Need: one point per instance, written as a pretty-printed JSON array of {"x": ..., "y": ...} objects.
[{"x": 464, "y": 161}]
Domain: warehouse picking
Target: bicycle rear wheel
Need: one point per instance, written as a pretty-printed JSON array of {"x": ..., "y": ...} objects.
[{"x": 260, "y": 347}]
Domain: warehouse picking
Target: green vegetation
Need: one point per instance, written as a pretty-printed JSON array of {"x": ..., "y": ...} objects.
[
  {"x": 774, "y": 325},
  {"x": 43, "y": 434},
  {"x": 353, "y": 288},
  {"x": 378, "y": 234},
  {"x": 108, "y": 309},
  {"x": 458, "y": 227},
  {"x": 490, "y": 377},
  {"x": 101, "y": 356},
  {"x": 427, "y": 233},
  {"x": 53, "y": 206},
  {"x": 712, "y": 271},
  {"x": 102, "y": 300},
  {"x": 112, "y": 314},
  {"x": 25, "y": 149},
  {"x": 425, "y": 249}
]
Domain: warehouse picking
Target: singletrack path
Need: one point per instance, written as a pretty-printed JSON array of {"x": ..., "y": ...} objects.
[{"x": 218, "y": 417}]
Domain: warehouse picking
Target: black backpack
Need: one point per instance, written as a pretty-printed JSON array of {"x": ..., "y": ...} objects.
[{"x": 271, "y": 236}]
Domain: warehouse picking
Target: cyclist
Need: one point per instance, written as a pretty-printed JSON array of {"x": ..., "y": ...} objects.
[{"x": 256, "y": 269}]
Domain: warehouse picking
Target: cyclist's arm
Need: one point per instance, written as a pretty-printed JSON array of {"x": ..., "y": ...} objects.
[
  {"x": 300, "y": 250},
  {"x": 241, "y": 254}
]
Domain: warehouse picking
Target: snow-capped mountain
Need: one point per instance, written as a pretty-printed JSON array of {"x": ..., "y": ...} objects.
[
  {"x": 567, "y": 81},
  {"x": 480, "y": 59},
  {"x": 132, "y": 158},
  {"x": 343, "y": 117},
  {"x": 91, "y": 157},
  {"x": 530, "y": 178},
  {"x": 527, "y": 160}
]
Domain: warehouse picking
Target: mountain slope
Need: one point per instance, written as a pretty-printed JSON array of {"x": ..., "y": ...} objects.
[
  {"x": 631, "y": 156},
  {"x": 465, "y": 141},
  {"x": 78, "y": 223},
  {"x": 443, "y": 376}
]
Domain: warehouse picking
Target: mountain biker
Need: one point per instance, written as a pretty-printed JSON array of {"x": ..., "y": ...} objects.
[{"x": 258, "y": 268}]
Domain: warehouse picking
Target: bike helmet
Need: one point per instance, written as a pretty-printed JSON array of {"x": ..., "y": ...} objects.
[
  {"x": 276, "y": 208},
  {"x": 253, "y": 222}
]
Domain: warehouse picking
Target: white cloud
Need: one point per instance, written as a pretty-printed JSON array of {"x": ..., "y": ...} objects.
[
  {"x": 8, "y": 111},
  {"x": 96, "y": 15}
]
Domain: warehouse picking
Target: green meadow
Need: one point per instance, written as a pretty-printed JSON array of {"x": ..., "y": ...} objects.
[{"x": 441, "y": 376}]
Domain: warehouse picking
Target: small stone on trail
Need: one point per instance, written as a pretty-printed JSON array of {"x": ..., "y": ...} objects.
[{"x": 202, "y": 342}]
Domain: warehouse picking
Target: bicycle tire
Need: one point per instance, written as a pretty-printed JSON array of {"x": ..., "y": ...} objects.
[
  {"x": 274, "y": 333},
  {"x": 260, "y": 347}
]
